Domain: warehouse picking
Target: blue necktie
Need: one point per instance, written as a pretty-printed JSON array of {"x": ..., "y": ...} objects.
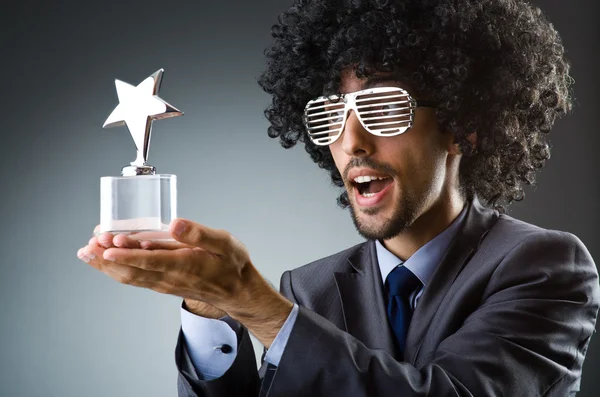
[{"x": 400, "y": 284}]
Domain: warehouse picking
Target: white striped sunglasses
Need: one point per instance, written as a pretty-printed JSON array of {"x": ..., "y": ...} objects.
[{"x": 382, "y": 111}]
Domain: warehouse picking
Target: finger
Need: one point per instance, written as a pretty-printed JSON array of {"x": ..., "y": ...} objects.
[
  {"x": 160, "y": 260},
  {"x": 105, "y": 239},
  {"x": 131, "y": 275},
  {"x": 109, "y": 240},
  {"x": 163, "y": 245},
  {"x": 158, "y": 285},
  {"x": 197, "y": 235},
  {"x": 125, "y": 274},
  {"x": 124, "y": 241},
  {"x": 90, "y": 253}
]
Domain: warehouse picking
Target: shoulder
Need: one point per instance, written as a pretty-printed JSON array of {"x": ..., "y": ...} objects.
[
  {"x": 519, "y": 234},
  {"x": 333, "y": 263},
  {"x": 552, "y": 260}
]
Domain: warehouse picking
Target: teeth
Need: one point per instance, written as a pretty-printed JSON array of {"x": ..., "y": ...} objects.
[
  {"x": 367, "y": 178},
  {"x": 368, "y": 194}
]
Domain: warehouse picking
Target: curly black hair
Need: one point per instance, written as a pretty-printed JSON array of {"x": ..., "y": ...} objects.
[{"x": 495, "y": 67}]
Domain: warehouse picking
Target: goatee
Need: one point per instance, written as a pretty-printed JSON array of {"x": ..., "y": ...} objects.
[{"x": 402, "y": 217}]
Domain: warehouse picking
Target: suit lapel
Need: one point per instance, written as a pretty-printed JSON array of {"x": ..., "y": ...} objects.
[
  {"x": 363, "y": 304},
  {"x": 476, "y": 224},
  {"x": 362, "y": 296}
]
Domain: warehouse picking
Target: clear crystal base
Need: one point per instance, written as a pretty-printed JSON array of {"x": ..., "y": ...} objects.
[{"x": 141, "y": 206}]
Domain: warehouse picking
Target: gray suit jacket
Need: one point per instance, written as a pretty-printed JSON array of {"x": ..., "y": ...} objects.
[{"x": 509, "y": 311}]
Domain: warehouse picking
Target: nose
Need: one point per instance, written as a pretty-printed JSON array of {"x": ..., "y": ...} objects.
[{"x": 356, "y": 141}]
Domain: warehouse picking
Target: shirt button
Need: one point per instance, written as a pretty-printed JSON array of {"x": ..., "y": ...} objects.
[{"x": 226, "y": 349}]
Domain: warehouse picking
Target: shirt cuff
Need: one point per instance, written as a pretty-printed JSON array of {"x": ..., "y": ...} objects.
[
  {"x": 275, "y": 352},
  {"x": 212, "y": 344}
]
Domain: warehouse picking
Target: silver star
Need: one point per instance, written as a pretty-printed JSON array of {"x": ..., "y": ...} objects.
[{"x": 138, "y": 108}]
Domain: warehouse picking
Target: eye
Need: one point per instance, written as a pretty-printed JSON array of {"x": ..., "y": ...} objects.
[
  {"x": 335, "y": 113},
  {"x": 339, "y": 116},
  {"x": 389, "y": 110}
]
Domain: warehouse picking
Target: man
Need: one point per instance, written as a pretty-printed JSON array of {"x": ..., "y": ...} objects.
[{"x": 423, "y": 111}]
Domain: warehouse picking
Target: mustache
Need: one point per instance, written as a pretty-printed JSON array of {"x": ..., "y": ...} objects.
[{"x": 366, "y": 162}]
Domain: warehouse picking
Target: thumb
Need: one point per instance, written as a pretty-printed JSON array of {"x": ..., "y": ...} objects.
[{"x": 197, "y": 235}]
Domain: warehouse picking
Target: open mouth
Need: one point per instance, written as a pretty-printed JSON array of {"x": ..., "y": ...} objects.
[{"x": 368, "y": 186}]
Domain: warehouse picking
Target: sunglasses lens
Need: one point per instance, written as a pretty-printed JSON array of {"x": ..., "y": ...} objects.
[
  {"x": 324, "y": 118},
  {"x": 385, "y": 113}
]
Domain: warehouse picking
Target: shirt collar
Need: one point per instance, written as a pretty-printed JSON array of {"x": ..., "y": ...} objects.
[{"x": 423, "y": 262}]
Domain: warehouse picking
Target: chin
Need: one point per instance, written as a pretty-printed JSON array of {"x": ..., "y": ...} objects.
[{"x": 382, "y": 222}]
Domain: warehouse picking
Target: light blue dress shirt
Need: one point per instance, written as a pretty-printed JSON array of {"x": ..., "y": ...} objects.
[{"x": 204, "y": 336}]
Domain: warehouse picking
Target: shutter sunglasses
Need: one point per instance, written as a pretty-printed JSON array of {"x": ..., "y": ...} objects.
[{"x": 382, "y": 111}]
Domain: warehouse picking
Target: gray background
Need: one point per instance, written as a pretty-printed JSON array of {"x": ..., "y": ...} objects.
[{"x": 67, "y": 329}]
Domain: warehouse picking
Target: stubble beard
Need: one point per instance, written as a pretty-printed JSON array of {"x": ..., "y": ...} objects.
[{"x": 377, "y": 228}]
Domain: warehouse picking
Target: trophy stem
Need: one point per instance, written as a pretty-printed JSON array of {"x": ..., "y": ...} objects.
[{"x": 133, "y": 170}]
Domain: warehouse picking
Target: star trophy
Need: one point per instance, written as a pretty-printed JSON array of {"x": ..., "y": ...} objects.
[{"x": 139, "y": 203}]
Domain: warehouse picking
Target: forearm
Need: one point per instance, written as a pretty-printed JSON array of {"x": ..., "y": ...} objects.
[{"x": 260, "y": 308}]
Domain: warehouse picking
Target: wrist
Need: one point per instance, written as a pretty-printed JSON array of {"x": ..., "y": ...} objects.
[
  {"x": 202, "y": 309},
  {"x": 266, "y": 325},
  {"x": 260, "y": 308}
]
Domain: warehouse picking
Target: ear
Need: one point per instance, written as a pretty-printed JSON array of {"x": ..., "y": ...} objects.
[{"x": 471, "y": 138}]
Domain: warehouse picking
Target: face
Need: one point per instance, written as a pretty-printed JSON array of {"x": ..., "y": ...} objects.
[{"x": 410, "y": 167}]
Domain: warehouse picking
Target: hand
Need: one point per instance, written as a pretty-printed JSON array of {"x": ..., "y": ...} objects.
[
  {"x": 205, "y": 265},
  {"x": 108, "y": 240}
]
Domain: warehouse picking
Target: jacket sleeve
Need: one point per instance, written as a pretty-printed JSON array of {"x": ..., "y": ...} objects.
[
  {"x": 527, "y": 337},
  {"x": 240, "y": 380}
]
